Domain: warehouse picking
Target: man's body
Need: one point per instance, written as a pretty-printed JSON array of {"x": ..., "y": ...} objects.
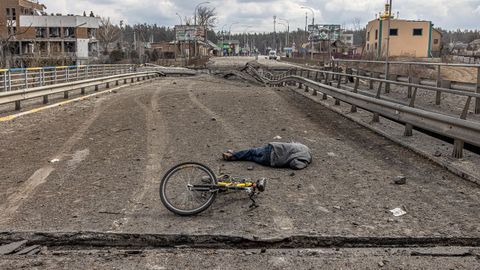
[{"x": 275, "y": 154}]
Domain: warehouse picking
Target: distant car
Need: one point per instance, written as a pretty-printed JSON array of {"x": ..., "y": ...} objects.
[{"x": 272, "y": 55}]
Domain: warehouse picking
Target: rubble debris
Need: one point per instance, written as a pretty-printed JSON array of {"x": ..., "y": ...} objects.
[
  {"x": 12, "y": 247},
  {"x": 398, "y": 212},
  {"x": 400, "y": 180}
]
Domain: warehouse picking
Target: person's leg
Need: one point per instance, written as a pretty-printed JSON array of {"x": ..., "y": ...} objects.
[{"x": 259, "y": 155}]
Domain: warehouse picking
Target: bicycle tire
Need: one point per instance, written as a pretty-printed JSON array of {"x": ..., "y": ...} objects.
[{"x": 171, "y": 206}]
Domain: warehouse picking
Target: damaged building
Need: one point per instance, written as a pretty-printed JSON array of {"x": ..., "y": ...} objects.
[{"x": 32, "y": 34}]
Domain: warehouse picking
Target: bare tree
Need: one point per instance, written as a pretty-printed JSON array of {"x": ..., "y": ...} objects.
[
  {"x": 206, "y": 16},
  {"x": 6, "y": 43},
  {"x": 107, "y": 33}
]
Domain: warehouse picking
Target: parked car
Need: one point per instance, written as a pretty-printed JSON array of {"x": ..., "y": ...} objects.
[{"x": 272, "y": 55}]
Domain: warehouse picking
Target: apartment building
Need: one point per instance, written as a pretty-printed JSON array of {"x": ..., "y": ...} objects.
[
  {"x": 32, "y": 33},
  {"x": 408, "y": 38}
]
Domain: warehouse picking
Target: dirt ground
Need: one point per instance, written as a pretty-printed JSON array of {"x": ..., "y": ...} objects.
[
  {"x": 114, "y": 149},
  {"x": 455, "y": 258}
]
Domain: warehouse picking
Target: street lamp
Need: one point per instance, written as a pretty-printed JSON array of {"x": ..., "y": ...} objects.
[
  {"x": 245, "y": 39},
  {"x": 288, "y": 30},
  {"x": 230, "y": 30},
  {"x": 313, "y": 23},
  {"x": 180, "y": 17}
]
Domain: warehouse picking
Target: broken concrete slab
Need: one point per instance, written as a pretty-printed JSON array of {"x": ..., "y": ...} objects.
[{"x": 12, "y": 247}]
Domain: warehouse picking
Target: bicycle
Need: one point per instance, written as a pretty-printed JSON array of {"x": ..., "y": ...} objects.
[{"x": 190, "y": 188}]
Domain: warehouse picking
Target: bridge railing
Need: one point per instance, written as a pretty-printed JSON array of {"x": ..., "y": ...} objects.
[
  {"x": 25, "y": 78},
  {"x": 457, "y": 128},
  {"x": 439, "y": 81}
]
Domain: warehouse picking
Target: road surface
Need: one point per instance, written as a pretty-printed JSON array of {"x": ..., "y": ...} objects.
[{"x": 111, "y": 151}]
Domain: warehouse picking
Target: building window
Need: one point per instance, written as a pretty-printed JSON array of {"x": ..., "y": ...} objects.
[
  {"x": 8, "y": 13},
  {"x": 376, "y": 34},
  {"x": 12, "y": 31},
  {"x": 368, "y": 36},
  {"x": 41, "y": 32},
  {"x": 376, "y": 46},
  {"x": 418, "y": 31},
  {"x": 54, "y": 32},
  {"x": 368, "y": 47},
  {"x": 14, "y": 14},
  {"x": 69, "y": 32},
  {"x": 92, "y": 32},
  {"x": 393, "y": 32},
  {"x": 435, "y": 41}
]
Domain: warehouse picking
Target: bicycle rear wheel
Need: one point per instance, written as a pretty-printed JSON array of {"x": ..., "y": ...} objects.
[{"x": 177, "y": 192}]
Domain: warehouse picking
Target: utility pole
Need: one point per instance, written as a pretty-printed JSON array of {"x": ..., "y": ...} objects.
[
  {"x": 275, "y": 32},
  {"x": 387, "y": 65}
]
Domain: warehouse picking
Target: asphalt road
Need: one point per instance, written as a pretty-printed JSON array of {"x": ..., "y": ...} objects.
[{"x": 113, "y": 150}]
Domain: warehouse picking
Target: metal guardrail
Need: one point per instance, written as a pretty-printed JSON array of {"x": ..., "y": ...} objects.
[
  {"x": 25, "y": 78},
  {"x": 475, "y": 87},
  {"x": 44, "y": 91},
  {"x": 459, "y": 129}
]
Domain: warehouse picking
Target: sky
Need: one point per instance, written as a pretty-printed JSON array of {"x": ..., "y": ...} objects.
[{"x": 257, "y": 15}]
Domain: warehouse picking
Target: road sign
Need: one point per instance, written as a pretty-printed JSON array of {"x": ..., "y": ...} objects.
[{"x": 189, "y": 32}]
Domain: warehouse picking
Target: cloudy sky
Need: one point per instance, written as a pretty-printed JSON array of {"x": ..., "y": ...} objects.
[{"x": 448, "y": 14}]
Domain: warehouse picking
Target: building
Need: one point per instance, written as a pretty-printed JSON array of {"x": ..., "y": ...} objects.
[
  {"x": 408, "y": 38},
  {"x": 32, "y": 33},
  {"x": 347, "y": 39}
]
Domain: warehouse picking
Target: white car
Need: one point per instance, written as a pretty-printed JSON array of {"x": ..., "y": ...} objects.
[{"x": 272, "y": 55}]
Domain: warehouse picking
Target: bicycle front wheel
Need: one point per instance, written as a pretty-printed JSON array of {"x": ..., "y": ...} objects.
[{"x": 178, "y": 192}]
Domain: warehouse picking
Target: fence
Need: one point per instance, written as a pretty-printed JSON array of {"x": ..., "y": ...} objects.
[
  {"x": 440, "y": 81},
  {"x": 24, "y": 78}
]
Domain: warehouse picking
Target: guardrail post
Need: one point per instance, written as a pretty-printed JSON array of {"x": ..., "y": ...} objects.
[
  {"x": 68, "y": 74},
  {"x": 116, "y": 83},
  {"x": 300, "y": 86},
  {"x": 26, "y": 78},
  {"x": 132, "y": 80},
  {"x": 410, "y": 80},
  {"x": 65, "y": 95},
  {"x": 5, "y": 81},
  {"x": 327, "y": 75},
  {"x": 477, "y": 100},
  {"x": 55, "y": 75},
  {"x": 337, "y": 102},
  {"x": 315, "y": 93},
  {"x": 307, "y": 89},
  {"x": 324, "y": 96},
  {"x": 77, "y": 74},
  {"x": 82, "y": 91},
  {"x": 42, "y": 77},
  {"x": 107, "y": 85},
  {"x": 96, "y": 87},
  {"x": 18, "y": 106},
  {"x": 458, "y": 146},
  {"x": 374, "y": 75},
  {"x": 9, "y": 81},
  {"x": 408, "y": 130},
  {"x": 45, "y": 99},
  {"x": 438, "y": 96},
  {"x": 124, "y": 81},
  {"x": 376, "y": 118}
]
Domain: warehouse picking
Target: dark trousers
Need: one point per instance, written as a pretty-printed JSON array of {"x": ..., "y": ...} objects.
[{"x": 260, "y": 155}]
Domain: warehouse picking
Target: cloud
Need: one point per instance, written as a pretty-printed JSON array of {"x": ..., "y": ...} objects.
[{"x": 259, "y": 14}]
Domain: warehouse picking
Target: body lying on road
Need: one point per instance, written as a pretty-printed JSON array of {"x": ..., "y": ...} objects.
[{"x": 275, "y": 154}]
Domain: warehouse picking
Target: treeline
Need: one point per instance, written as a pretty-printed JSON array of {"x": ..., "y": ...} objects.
[{"x": 464, "y": 36}]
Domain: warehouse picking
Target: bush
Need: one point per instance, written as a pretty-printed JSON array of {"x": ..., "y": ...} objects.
[
  {"x": 134, "y": 55},
  {"x": 116, "y": 56}
]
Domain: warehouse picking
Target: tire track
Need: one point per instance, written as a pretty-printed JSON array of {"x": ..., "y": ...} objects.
[
  {"x": 157, "y": 140},
  {"x": 15, "y": 200}
]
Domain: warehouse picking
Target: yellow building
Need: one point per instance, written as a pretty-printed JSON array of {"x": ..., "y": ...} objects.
[{"x": 408, "y": 38}]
